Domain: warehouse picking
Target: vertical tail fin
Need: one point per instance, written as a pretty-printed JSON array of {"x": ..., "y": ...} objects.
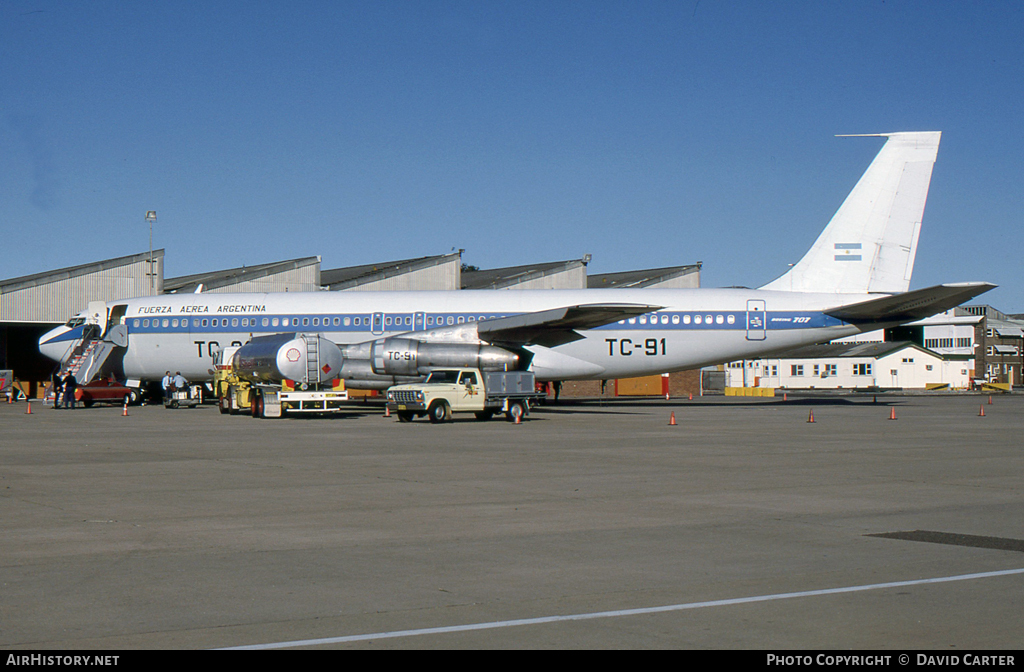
[{"x": 871, "y": 242}]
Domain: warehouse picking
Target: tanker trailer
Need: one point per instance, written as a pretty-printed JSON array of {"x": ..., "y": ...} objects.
[{"x": 284, "y": 373}]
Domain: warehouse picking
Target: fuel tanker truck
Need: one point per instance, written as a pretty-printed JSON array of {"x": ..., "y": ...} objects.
[{"x": 271, "y": 376}]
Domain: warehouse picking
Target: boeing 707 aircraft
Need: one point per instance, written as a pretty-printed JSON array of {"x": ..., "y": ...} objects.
[{"x": 855, "y": 278}]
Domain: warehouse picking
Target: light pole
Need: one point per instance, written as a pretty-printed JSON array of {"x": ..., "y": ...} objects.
[{"x": 151, "y": 218}]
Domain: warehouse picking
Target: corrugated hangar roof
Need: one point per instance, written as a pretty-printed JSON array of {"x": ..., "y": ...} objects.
[
  {"x": 54, "y": 296},
  {"x": 502, "y": 278},
  {"x": 214, "y": 280},
  {"x": 644, "y": 278},
  {"x": 356, "y": 276},
  {"x": 49, "y": 277}
]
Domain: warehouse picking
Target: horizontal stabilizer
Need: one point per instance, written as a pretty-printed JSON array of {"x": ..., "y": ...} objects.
[
  {"x": 910, "y": 306},
  {"x": 558, "y": 325}
]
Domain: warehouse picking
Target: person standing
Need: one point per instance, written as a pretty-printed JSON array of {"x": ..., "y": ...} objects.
[
  {"x": 58, "y": 385},
  {"x": 70, "y": 385},
  {"x": 180, "y": 383},
  {"x": 166, "y": 383}
]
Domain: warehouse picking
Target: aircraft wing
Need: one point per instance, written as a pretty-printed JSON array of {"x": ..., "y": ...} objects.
[
  {"x": 910, "y": 306},
  {"x": 558, "y": 325}
]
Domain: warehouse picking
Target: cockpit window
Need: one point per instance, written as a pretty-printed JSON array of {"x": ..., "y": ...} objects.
[{"x": 75, "y": 322}]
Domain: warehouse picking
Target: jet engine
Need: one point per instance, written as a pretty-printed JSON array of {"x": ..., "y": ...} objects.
[
  {"x": 408, "y": 357},
  {"x": 359, "y": 375},
  {"x": 304, "y": 358}
]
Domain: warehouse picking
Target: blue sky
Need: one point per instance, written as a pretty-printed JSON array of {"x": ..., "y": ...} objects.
[{"x": 647, "y": 134}]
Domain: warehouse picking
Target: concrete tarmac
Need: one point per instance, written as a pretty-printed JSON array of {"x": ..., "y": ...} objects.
[{"x": 186, "y": 529}]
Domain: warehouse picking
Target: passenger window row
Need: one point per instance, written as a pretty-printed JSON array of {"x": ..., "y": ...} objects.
[
  {"x": 405, "y": 321},
  {"x": 685, "y": 318},
  {"x": 325, "y": 321}
]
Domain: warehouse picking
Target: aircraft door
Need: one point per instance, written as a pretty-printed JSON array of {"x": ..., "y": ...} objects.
[
  {"x": 419, "y": 321},
  {"x": 116, "y": 315},
  {"x": 96, "y": 315},
  {"x": 377, "y": 324},
  {"x": 757, "y": 317}
]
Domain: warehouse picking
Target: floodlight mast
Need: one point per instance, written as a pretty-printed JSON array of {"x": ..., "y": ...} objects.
[{"x": 151, "y": 218}]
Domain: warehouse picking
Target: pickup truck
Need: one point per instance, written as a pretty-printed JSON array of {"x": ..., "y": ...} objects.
[{"x": 447, "y": 391}]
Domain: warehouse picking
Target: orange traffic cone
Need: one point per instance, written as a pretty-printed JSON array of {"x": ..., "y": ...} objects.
[
  {"x": 981, "y": 412},
  {"x": 892, "y": 413},
  {"x": 519, "y": 418},
  {"x": 672, "y": 419},
  {"x": 810, "y": 416},
  {"x": 785, "y": 396},
  {"x": 387, "y": 411},
  {"x": 990, "y": 400},
  {"x": 125, "y": 414},
  {"x": 691, "y": 396},
  {"x": 29, "y": 410}
]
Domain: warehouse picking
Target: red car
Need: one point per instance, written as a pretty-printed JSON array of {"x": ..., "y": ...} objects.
[{"x": 109, "y": 391}]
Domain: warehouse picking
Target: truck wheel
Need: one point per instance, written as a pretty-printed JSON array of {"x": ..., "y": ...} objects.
[
  {"x": 224, "y": 404},
  {"x": 257, "y": 405},
  {"x": 516, "y": 411},
  {"x": 439, "y": 412}
]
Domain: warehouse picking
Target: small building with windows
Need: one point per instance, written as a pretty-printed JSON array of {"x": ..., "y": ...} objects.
[
  {"x": 993, "y": 340},
  {"x": 1000, "y": 341},
  {"x": 887, "y": 365}
]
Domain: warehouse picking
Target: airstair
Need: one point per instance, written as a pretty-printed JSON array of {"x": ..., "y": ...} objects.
[
  {"x": 89, "y": 354},
  {"x": 87, "y": 359}
]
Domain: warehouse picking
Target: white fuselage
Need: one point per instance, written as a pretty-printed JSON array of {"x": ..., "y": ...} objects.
[{"x": 695, "y": 327}]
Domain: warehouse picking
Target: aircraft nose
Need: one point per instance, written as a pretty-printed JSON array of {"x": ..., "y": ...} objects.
[{"x": 54, "y": 343}]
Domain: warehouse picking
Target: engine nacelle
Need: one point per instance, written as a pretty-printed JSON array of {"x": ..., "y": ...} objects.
[
  {"x": 408, "y": 357},
  {"x": 304, "y": 358},
  {"x": 359, "y": 375}
]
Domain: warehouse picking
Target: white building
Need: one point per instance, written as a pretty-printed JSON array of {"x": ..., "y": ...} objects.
[
  {"x": 854, "y": 365},
  {"x": 946, "y": 333}
]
